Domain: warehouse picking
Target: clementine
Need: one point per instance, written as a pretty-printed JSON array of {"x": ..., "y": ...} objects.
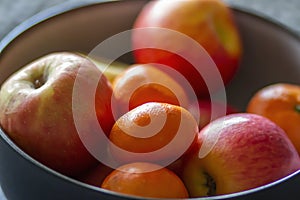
[
  {"x": 280, "y": 103},
  {"x": 145, "y": 180},
  {"x": 145, "y": 83},
  {"x": 153, "y": 132}
]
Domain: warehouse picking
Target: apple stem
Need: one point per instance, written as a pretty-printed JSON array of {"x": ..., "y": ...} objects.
[
  {"x": 38, "y": 82},
  {"x": 211, "y": 184},
  {"x": 297, "y": 108}
]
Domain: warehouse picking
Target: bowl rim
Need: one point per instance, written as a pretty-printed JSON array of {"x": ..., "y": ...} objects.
[{"x": 67, "y": 7}]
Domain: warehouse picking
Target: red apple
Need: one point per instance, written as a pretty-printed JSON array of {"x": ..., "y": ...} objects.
[
  {"x": 203, "y": 108},
  {"x": 37, "y": 110},
  {"x": 95, "y": 176},
  {"x": 210, "y": 23},
  {"x": 239, "y": 152}
]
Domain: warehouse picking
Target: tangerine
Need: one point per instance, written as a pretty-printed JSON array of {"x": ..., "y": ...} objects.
[
  {"x": 280, "y": 103},
  {"x": 142, "y": 83},
  {"x": 153, "y": 132},
  {"x": 146, "y": 180}
]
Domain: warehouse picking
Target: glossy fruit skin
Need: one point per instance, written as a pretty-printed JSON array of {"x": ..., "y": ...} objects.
[
  {"x": 209, "y": 110},
  {"x": 145, "y": 180},
  {"x": 140, "y": 84},
  {"x": 280, "y": 103},
  {"x": 208, "y": 22},
  {"x": 36, "y": 110},
  {"x": 156, "y": 132},
  {"x": 238, "y": 152}
]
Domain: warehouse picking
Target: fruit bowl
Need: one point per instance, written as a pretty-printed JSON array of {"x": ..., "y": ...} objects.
[{"x": 270, "y": 55}]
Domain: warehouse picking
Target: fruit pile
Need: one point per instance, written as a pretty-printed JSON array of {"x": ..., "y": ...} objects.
[{"x": 150, "y": 129}]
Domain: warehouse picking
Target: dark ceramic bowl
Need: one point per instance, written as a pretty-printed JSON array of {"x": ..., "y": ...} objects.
[{"x": 271, "y": 55}]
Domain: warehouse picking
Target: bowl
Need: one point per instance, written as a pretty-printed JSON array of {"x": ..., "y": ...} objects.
[{"x": 271, "y": 54}]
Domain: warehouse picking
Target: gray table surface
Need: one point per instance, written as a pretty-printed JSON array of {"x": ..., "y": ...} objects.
[{"x": 15, "y": 12}]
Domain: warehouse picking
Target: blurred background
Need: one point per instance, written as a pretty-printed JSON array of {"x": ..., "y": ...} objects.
[
  {"x": 16, "y": 11},
  {"x": 12, "y": 13}
]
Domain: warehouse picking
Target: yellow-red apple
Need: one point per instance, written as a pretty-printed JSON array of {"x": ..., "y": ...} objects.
[
  {"x": 36, "y": 110},
  {"x": 208, "y": 22},
  {"x": 239, "y": 152}
]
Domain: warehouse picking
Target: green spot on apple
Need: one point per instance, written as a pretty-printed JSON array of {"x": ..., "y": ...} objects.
[{"x": 297, "y": 108}]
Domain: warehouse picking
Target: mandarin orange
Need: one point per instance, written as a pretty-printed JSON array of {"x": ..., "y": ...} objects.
[
  {"x": 280, "y": 103},
  {"x": 145, "y": 83},
  {"x": 145, "y": 180},
  {"x": 153, "y": 132}
]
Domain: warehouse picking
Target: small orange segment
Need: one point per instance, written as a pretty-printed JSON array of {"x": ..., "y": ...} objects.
[
  {"x": 145, "y": 180},
  {"x": 280, "y": 103}
]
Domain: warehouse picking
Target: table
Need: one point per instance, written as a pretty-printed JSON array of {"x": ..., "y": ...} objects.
[{"x": 15, "y": 12}]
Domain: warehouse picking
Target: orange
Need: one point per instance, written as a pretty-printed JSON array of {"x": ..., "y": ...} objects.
[
  {"x": 145, "y": 83},
  {"x": 153, "y": 132},
  {"x": 280, "y": 103},
  {"x": 145, "y": 180}
]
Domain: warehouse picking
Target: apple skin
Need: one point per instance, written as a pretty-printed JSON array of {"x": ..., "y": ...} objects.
[
  {"x": 95, "y": 176},
  {"x": 249, "y": 151},
  {"x": 204, "y": 107},
  {"x": 209, "y": 22},
  {"x": 110, "y": 70},
  {"x": 36, "y": 110}
]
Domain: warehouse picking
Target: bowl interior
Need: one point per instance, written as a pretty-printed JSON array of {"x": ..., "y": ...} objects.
[{"x": 270, "y": 51}]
